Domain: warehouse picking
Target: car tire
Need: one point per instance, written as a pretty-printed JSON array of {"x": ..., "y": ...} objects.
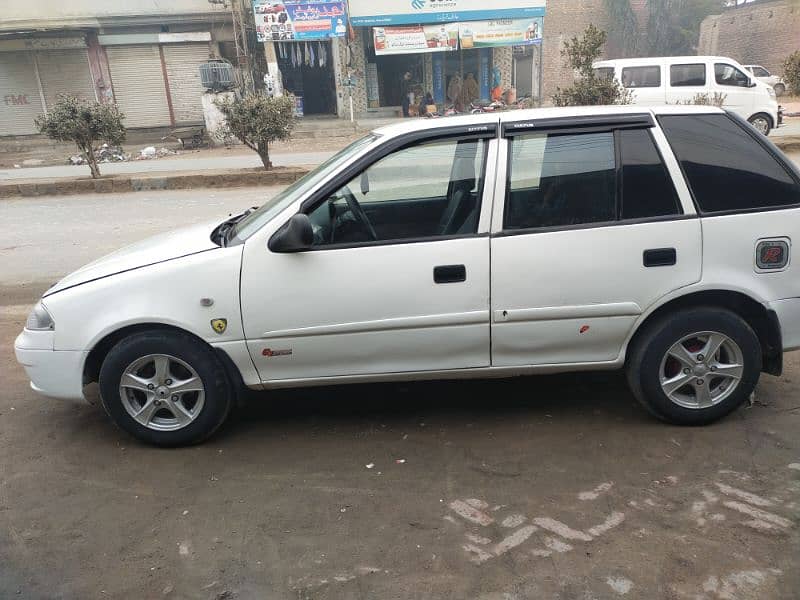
[
  {"x": 780, "y": 89},
  {"x": 761, "y": 122},
  {"x": 655, "y": 374},
  {"x": 175, "y": 391}
]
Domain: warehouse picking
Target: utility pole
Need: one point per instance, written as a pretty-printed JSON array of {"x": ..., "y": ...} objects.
[{"x": 243, "y": 58}]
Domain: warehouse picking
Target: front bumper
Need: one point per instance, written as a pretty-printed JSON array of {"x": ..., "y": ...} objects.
[{"x": 53, "y": 373}]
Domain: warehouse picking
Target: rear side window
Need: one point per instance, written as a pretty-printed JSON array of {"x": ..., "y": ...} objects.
[
  {"x": 647, "y": 189},
  {"x": 687, "y": 75},
  {"x": 604, "y": 72},
  {"x": 641, "y": 77},
  {"x": 561, "y": 180},
  {"x": 726, "y": 168}
]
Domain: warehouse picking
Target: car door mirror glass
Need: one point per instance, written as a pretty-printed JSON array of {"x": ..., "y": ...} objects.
[{"x": 296, "y": 235}]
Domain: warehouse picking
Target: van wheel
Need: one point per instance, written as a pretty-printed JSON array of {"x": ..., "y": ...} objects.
[
  {"x": 695, "y": 366},
  {"x": 780, "y": 89},
  {"x": 165, "y": 388},
  {"x": 761, "y": 122}
]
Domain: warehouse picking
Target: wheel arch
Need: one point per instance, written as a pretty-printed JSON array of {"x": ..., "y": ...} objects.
[
  {"x": 97, "y": 355},
  {"x": 764, "y": 322},
  {"x": 763, "y": 114}
]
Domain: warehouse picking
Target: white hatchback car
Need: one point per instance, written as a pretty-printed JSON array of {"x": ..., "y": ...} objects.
[{"x": 655, "y": 240}]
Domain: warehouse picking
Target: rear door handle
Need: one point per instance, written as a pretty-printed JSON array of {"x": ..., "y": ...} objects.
[
  {"x": 660, "y": 257},
  {"x": 450, "y": 274}
]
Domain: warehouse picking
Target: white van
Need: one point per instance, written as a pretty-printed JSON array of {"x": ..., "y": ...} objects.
[{"x": 678, "y": 79}]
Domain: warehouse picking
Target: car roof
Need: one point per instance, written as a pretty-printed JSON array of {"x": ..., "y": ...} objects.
[
  {"x": 659, "y": 60},
  {"x": 511, "y": 116}
]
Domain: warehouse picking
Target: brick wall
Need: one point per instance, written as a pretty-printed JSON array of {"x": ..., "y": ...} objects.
[
  {"x": 763, "y": 33},
  {"x": 564, "y": 19}
]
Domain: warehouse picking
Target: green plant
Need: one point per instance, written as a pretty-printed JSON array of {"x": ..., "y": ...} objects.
[
  {"x": 85, "y": 123},
  {"x": 257, "y": 120},
  {"x": 705, "y": 99},
  {"x": 791, "y": 73},
  {"x": 591, "y": 88}
]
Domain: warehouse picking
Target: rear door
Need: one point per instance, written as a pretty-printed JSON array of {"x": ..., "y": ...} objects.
[
  {"x": 592, "y": 232},
  {"x": 645, "y": 82},
  {"x": 687, "y": 80}
]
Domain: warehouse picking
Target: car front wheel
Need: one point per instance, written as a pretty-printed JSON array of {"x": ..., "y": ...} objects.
[
  {"x": 761, "y": 122},
  {"x": 695, "y": 366},
  {"x": 165, "y": 388}
]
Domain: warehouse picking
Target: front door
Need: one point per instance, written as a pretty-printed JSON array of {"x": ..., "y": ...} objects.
[
  {"x": 593, "y": 232},
  {"x": 734, "y": 84},
  {"x": 397, "y": 279}
]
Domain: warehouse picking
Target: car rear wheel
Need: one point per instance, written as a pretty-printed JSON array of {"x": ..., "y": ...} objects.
[
  {"x": 695, "y": 366},
  {"x": 761, "y": 122},
  {"x": 165, "y": 388}
]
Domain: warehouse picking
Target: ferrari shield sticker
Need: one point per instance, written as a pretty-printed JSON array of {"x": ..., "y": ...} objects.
[{"x": 219, "y": 325}]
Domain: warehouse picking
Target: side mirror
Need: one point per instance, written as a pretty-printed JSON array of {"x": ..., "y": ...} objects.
[
  {"x": 365, "y": 183},
  {"x": 751, "y": 83},
  {"x": 296, "y": 235}
]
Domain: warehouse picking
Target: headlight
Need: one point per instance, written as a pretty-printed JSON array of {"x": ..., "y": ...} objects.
[
  {"x": 771, "y": 92},
  {"x": 40, "y": 319}
]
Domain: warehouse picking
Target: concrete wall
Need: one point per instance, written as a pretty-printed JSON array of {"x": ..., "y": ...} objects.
[
  {"x": 564, "y": 19},
  {"x": 762, "y": 33}
]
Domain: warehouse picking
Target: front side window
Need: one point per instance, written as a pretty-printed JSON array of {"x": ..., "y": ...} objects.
[
  {"x": 687, "y": 75},
  {"x": 561, "y": 180},
  {"x": 641, "y": 77},
  {"x": 726, "y": 168},
  {"x": 760, "y": 72},
  {"x": 427, "y": 190},
  {"x": 725, "y": 74}
]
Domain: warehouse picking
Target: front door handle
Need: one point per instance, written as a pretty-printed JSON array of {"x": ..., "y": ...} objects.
[
  {"x": 660, "y": 257},
  {"x": 450, "y": 274}
]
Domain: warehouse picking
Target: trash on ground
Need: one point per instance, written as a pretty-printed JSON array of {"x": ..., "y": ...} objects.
[{"x": 370, "y": 465}]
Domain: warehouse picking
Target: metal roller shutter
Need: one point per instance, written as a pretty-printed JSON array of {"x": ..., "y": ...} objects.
[
  {"x": 183, "y": 71},
  {"x": 65, "y": 72},
  {"x": 21, "y": 102},
  {"x": 139, "y": 85}
]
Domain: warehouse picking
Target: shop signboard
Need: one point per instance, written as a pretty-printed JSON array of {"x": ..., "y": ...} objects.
[
  {"x": 438, "y": 78},
  {"x": 484, "y": 77},
  {"x": 416, "y": 38},
  {"x": 292, "y": 20},
  {"x": 408, "y": 12},
  {"x": 501, "y": 32}
]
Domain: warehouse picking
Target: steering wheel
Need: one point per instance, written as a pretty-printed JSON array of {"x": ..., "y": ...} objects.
[{"x": 359, "y": 213}]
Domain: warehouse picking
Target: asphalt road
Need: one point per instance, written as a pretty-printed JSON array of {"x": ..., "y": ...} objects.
[{"x": 549, "y": 487}]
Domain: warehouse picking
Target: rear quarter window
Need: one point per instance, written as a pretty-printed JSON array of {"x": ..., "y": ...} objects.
[{"x": 726, "y": 168}]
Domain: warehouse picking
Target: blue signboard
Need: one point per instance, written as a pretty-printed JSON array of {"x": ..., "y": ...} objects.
[
  {"x": 438, "y": 78},
  {"x": 484, "y": 81},
  {"x": 291, "y": 20}
]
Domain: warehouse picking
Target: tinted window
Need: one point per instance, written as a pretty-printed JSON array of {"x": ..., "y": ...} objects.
[
  {"x": 558, "y": 180},
  {"x": 685, "y": 75},
  {"x": 641, "y": 77},
  {"x": 428, "y": 190},
  {"x": 726, "y": 168},
  {"x": 604, "y": 72},
  {"x": 647, "y": 189},
  {"x": 729, "y": 75}
]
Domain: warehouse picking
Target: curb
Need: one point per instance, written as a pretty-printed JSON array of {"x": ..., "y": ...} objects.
[{"x": 148, "y": 183}]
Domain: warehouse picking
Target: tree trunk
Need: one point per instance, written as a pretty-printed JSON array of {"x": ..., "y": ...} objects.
[
  {"x": 92, "y": 160},
  {"x": 263, "y": 153}
]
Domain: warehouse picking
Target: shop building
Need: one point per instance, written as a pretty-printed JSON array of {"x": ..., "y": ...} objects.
[
  {"x": 145, "y": 56},
  {"x": 458, "y": 51}
]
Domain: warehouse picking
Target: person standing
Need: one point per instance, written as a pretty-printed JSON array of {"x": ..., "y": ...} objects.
[{"x": 405, "y": 92}]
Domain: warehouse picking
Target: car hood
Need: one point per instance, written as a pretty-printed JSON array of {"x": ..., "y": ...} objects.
[{"x": 157, "y": 249}]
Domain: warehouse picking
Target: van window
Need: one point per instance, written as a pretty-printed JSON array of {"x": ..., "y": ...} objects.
[
  {"x": 647, "y": 189},
  {"x": 725, "y": 74},
  {"x": 687, "y": 75},
  {"x": 725, "y": 167},
  {"x": 559, "y": 180},
  {"x": 641, "y": 77},
  {"x": 604, "y": 72}
]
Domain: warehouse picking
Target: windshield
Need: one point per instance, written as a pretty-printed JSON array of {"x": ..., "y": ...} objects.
[{"x": 258, "y": 218}]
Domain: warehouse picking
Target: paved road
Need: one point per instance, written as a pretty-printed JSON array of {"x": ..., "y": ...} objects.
[
  {"x": 549, "y": 487},
  {"x": 239, "y": 161}
]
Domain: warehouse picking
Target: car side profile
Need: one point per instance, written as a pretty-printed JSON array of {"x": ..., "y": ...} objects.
[
  {"x": 659, "y": 241},
  {"x": 684, "y": 79},
  {"x": 763, "y": 75}
]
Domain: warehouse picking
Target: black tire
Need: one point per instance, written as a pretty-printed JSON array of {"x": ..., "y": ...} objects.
[
  {"x": 218, "y": 398},
  {"x": 646, "y": 355},
  {"x": 764, "y": 118},
  {"x": 780, "y": 89}
]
